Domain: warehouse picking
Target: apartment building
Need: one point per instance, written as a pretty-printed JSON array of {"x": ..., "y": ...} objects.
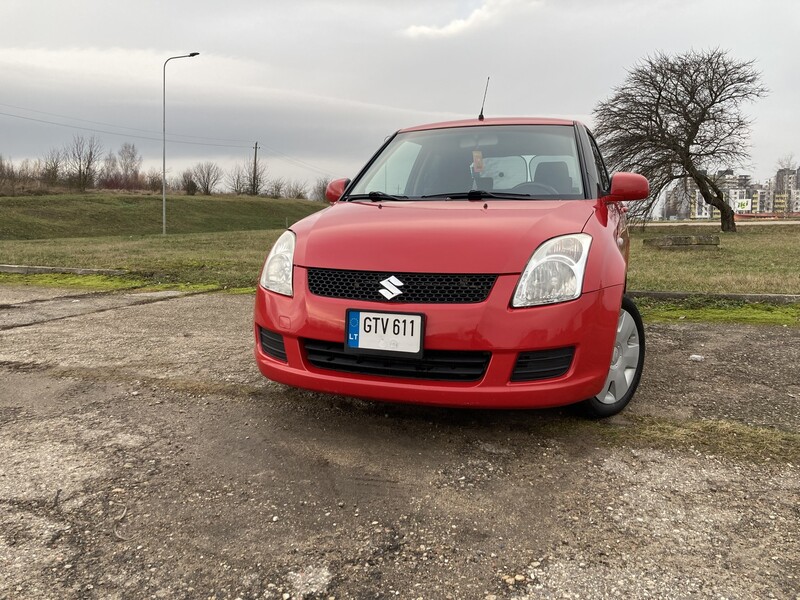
[{"x": 780, "y": 196}]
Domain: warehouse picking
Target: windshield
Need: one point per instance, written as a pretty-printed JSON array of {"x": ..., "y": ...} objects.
[{"x": 500, "y": 161}]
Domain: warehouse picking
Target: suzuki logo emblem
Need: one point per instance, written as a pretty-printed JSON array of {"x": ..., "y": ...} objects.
[{"x": 391, "y": 287}]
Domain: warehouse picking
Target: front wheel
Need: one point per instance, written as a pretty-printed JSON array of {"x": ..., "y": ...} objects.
[{"x": 627, "y": 361}]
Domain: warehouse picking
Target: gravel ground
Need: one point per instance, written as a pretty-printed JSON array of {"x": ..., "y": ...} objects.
[{"x": 142, "y": 455}]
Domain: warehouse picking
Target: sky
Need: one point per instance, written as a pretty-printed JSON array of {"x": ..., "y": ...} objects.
[{"x": 320, "y": 85}]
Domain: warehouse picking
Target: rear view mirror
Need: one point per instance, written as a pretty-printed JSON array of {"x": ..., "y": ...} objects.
[
  {"x": 626, "y": 187},
  {"x": 335, "y": 189},
  {"x": 474, "y": 141}
]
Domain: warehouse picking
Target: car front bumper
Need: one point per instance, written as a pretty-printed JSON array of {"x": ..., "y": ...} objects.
[{"x": 586, "y": 325}]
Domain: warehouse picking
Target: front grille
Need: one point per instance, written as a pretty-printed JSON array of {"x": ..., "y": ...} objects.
[
  {"x": 437, "y": 365},
  {"x": 272, "y": 344},
  {"x": 542, "y": 364},
  {"x": 417, "y": 288}
]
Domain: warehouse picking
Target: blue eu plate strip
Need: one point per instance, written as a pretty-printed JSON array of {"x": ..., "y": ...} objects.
[{"x": 354, "y": 318}]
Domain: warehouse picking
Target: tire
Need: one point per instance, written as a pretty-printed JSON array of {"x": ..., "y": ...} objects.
[{"x": 627, "y": 362}]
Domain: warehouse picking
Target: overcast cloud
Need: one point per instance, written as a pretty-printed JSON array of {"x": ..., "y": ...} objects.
[{"x": 320, "y": 84}]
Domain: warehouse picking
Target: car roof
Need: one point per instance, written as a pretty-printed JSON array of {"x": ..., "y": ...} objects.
[{"x": 491, "y": 121}]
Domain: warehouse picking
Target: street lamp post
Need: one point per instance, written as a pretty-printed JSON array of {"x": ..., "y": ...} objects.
[{"x": 164, "y": 145}]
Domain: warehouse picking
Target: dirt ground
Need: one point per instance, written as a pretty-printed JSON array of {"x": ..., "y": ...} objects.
[{"x": 142, "y": 455}]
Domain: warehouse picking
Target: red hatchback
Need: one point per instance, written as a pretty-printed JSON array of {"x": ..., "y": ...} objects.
[{"x": 477, "y": 263}]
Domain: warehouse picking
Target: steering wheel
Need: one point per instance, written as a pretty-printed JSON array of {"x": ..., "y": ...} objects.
[{"x": 534, "y": 186}]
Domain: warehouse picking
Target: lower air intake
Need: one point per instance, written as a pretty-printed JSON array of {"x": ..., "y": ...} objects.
[
  {"x": 436, "y": 365},
  {"x": 542, "y": 364}
]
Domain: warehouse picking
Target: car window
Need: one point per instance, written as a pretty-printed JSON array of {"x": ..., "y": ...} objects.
[
  {"x": 505, "y": 171},
  {"x": 540, "y": 161},
  {"x": 392, "y": 172},
  {"x": 547, "y": 167},
  {"x": 602, "y": 174}
]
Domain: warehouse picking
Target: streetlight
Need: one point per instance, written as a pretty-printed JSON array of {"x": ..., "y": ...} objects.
[{"x": 164, "y": 146}]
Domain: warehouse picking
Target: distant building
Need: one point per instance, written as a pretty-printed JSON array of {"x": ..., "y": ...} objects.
[
  {"x": 779, "y": 197},
  {"x": 677, "y": 201},
  {"x": 786, "y": 180},
  {"x": 736, "y": 189},
  {"x": 794, "y": 202},
  {"x": 744, "y": 196},
  {"x": 786, "y": 192}
]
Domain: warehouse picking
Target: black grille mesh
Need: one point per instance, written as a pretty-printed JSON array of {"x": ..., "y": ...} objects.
[
  {"x": 437, "y": 365},
  {"x": 417, "y": 288}
]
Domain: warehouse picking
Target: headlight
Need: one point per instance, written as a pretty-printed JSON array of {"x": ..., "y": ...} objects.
[
  {"x": 555, "y": 272},
  {"x": 277, "y": 272}
]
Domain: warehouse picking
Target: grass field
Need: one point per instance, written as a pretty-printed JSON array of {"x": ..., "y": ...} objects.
[
  {"x": 225, "y": 241},
  {"x": 216, "y": 240},
  {"x": 114, "y": 214},
  {"x": 225, "y": 259},
  {"x": 757, "y": 259},
  {"x": 705, "y": 309}
]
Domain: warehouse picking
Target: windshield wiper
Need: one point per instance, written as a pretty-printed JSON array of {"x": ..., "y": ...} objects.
[
  {"x": 376, "y": 197},
  {"x": 478, "y": 195}
]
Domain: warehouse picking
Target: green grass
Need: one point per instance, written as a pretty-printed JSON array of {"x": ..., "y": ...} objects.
[
  {"x": 223, "y": 259},
  {"x": 712, "y": 310},
  {"x": 222, "y": 241},
  {"x": 720, "y": 437},
  {"x": 215, "y": 241},
  {"x": 758, "y": 259},
  {"x": 107, "y": 214},
  {"x": 105, "y": 283},
  {"x": 86, "y": 282}
]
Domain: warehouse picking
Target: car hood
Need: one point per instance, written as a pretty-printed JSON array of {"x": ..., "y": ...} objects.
[{"x": 437, "y": 237}]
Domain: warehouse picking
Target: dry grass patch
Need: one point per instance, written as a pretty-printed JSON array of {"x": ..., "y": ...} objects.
[
  {"x": 724, "y": 438},
  {"x": 758, "y": 259}
]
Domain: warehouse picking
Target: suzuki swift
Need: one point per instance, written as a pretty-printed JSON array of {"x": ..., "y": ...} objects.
[{"x": 477, "y": 263}]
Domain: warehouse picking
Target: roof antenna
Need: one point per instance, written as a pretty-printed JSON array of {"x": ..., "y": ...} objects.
[{"x": 480, "y": 116}]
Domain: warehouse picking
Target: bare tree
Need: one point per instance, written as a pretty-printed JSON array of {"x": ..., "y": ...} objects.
[
  {"x": 130, "y": 161},
  {"x": 28, "y": 172},
  {"x": 52, "y": 167},
  {"x": 3, "y": 168},
  {"x": 249, "y": 177},
  {"x": 297, "y": 189},
  {"x": 15, "y": 178},
  {"x": 207, "y": 175},
  {"x": 318, "y": 189},
  {"x": 8, "y": 175},
  {"x": 188, "y": 184},
  {"x": 679, "y": 117},
  {"x": 237, "y": 180},
  {"x": 81, "y": 158},
  {"x": 276, "y": 188},
  {"x": 256, "y": 177},
  {"x": 786, "y": 162},
  {"x": 108, "y": 175},
  {"x": 152, "y": 179}
]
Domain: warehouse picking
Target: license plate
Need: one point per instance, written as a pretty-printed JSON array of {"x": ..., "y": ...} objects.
[{"x": 384, "y": 333}]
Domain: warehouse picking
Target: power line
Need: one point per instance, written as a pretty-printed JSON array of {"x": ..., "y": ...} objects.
[
  {"x": 140, "y": 137},
  {"x": 277, "y": 153},
  {"x": 296, "y": 161},
  {"x": 41, "y": 112}
]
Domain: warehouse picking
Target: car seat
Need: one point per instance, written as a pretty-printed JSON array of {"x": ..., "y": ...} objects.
[{"x": 555, "y": 175}]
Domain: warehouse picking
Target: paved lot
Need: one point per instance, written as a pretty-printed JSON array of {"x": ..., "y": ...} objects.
[{"x": 142, "y": 455}]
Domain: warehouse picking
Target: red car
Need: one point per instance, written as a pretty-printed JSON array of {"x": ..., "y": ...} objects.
[{"x": 477, "y": 263}]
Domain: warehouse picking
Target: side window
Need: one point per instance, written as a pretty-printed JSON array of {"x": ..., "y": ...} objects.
[{"x": 605, "y": 181}]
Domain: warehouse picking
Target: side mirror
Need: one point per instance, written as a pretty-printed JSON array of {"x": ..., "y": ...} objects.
[
  {"x": 626, "y": 187},
  {"x": 335, "y": 189}
]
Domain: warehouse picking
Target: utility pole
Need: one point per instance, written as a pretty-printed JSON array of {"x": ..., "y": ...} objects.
[{"x": 255, "y": 170}]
